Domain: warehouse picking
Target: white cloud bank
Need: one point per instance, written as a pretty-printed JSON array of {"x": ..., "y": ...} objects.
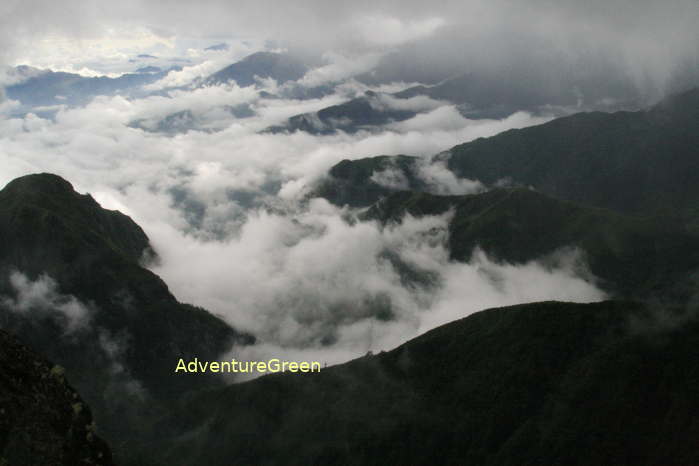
[
  {"x": 221, "y": 208},
  {"x": 43, "y": 298}
]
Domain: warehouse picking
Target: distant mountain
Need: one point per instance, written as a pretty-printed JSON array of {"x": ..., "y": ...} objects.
[
  {"x": 633, "y": 178},
  {"x": 367, "y": 112},
  {"x": 186, "y": 120},
  {"x": 546, "y": 383},
  {"x": 149, "y": 69},
  {"x": 486, "y": 96},
  {"x": 475, "y": 97},
  {"x": 44, "y": 421},
  {"x": 278, "y": 66},
  {"x": 48, "y": 88},
  {"x": 73, "y": 287},
  {"x": 218, "y": 47},
  {"x": 632, "y": 256}
]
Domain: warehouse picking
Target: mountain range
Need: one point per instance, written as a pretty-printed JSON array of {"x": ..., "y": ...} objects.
[
  {"x": 45, "y": 88},
  {"x": 545, "y": 383},
  {"x": 642, "y": 163},
  {"x": 612, "y": 382}
]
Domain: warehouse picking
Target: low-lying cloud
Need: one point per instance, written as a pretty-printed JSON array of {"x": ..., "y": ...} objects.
[
  {"x": 222, "y": 202},
  {"x": 31, "y": 301},
  {"x": 312, "y": 284},
  {"x": 42, "y": 298}
]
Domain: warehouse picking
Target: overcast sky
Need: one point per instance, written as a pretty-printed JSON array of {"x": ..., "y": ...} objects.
[{"x": 646, "y": 38}]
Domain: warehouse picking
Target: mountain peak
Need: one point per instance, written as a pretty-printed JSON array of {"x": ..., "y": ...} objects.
[
  {"x": 47, "y": 183},
  {"x": 281, "y": 67},
  {"x": 31, "y": 203}
]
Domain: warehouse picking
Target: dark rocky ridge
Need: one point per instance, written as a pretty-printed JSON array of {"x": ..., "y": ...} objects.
[
  {"x": 122, "y": 358},
  {"x": 43, "y": 420}
]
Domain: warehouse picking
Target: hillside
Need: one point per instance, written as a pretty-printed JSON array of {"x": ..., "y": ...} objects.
[
  {"x": 367, "y": 112},
  {"x": 546, "y": 383},
  {"x": 73, "y": 287},
  {"x": 629, "y": 257},
  {"x": 352, "y": 183},
  {"x": 645, "y": 163}
]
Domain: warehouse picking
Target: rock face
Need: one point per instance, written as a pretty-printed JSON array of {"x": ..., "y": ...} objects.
[
  {"x": 94, "y": 254},
  {"x": 631, "y": 257},
  {"x": 43, "y": 421}
]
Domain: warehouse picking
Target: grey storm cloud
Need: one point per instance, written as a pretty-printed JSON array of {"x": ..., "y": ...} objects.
[
  {"x": 652, "y": 46},
  {"x": 642, "y": 26}
]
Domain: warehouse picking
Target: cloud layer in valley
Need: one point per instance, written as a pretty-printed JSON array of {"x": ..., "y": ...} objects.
[
  {"x": 222, "y": 210},
  {"x": 222, "y": 199}
]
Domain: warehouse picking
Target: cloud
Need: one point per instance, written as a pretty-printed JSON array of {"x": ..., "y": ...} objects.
[
  {"x": 339, "y": 67},
  {"x": 41, "y": 297},
  {"x": 419, "y": 103},
  {"x": 440, "y": 180},
  {"x": 221, "y": 204},
  {"x": 642, "y": 42},
  {"x": 392, "y": 178},
  {"x": 122, "y": 382},
  {"x": 484, "y": 283},
  {"x": 207, "y": 63},
  {"x": 310, "y": 283}
]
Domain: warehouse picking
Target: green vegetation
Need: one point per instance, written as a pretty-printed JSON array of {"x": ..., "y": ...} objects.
[
  {"x": 645, "y": 163},
  {"x": 632, "y": 257},
  {"x": 546, "y": 383},
  {"x": 349, "y": 182},
  {"x": 610, "y": 383}
]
